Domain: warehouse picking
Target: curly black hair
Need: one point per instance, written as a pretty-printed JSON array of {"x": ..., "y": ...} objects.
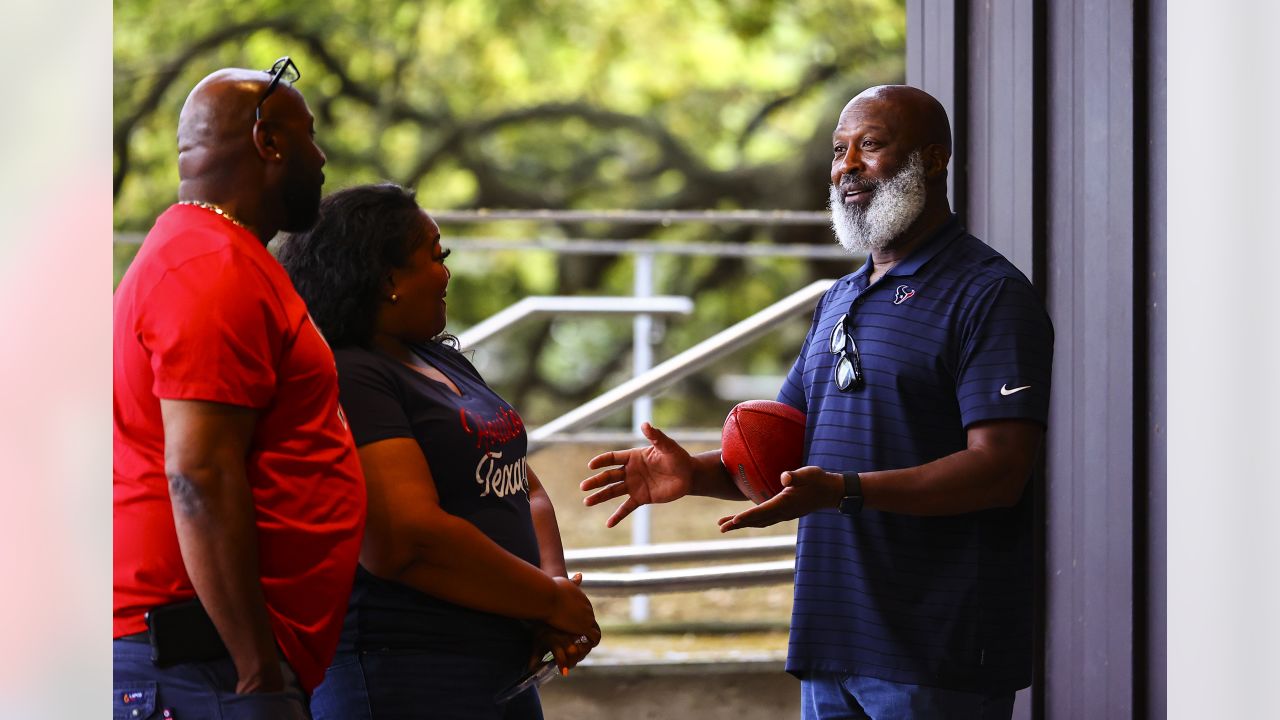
[{"x": 341, "y": 264}]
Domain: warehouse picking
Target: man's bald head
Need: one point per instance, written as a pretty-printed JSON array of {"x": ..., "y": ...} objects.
[
  {"x": 216, "y": 122},
  {"x": 269, "y": 170},
  {"x": 911, "y": 110}
]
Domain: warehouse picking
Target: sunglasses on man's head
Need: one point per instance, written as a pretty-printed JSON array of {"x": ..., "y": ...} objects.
[
  {"x": 848, "y": 370},
  {"x": 282, "y": 71}
]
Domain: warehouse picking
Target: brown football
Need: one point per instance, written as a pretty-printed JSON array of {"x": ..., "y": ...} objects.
[{"x": 761, "y": 440}]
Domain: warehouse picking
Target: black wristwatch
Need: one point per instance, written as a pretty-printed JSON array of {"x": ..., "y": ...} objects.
[{"x": 851, "y": 503}]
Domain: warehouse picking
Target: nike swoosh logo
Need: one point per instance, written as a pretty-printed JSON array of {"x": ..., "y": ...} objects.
[{"x": 1004, "y": 389}]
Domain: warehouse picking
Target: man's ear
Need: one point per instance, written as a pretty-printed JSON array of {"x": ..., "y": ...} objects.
[
  {"x": 936, "y": 157},
  {"x": 266, "y": 141}
]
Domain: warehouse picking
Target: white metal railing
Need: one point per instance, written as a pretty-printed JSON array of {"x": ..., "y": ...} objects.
[
  {"x": 693, "y": 551},
  {"x": 571, "y": 305},
  {"x": 620, "y": 438},
  {"x": 690, "y": 579},
  {"x": 640, "y": 217},
  {"x": 685, "y": 363},
  {"x": 684, "y": 579},
  {"x": 599, "y": 246}
]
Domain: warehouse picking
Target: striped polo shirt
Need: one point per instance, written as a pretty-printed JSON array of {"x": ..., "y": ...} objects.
[{"x": 952, "y": 335}]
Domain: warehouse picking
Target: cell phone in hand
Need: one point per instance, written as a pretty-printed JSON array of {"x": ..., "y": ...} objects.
[{"x": 539, "y": 675}]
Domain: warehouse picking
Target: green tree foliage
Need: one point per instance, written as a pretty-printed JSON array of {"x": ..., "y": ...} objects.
[{"x": 640, "y": 104}]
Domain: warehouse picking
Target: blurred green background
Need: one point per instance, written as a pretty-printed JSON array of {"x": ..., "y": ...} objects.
[{"x": 583, "y": 104}]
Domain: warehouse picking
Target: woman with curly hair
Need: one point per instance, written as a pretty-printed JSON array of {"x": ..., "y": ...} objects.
[{"x": 462, "y": 576}]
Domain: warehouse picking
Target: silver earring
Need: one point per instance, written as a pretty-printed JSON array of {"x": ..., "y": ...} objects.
[{"x": 394, "y": 298}]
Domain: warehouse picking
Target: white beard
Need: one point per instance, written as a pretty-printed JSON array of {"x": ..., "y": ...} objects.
[{"x": 896, "y": 204}]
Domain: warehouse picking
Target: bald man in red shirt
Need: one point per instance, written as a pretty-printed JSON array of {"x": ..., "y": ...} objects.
[{"x": 238, "y": 499}]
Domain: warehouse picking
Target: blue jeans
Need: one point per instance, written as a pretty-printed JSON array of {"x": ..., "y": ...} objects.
[
  {"x": 193, "y": 691},
  {"x": 828, "y": 696},
  {"x": 408, "y": 685}
]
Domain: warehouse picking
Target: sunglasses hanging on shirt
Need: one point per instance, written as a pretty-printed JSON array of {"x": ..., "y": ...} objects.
[{"x": 848, "y": 369}]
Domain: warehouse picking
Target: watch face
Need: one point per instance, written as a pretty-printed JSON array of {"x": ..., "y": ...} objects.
[{"x": 851, "y": 504}]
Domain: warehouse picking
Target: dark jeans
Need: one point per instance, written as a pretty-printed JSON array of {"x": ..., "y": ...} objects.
[
  {"x": 193, "y": 691},
  {"x": 828, "y": 696},
  {"x": 412, "y": 685}
]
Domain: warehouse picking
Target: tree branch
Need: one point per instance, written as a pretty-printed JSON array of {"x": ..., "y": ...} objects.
[
  {"x": 815, "y": 76},
  {"x": 287, "y": 26},
  {"x": 166, "y": 77}
]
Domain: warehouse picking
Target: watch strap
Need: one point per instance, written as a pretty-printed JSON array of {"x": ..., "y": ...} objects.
[{"x": 851, "y": 502}]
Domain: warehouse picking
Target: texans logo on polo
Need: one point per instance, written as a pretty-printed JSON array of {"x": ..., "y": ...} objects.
[{"x": 902, "y": 294}]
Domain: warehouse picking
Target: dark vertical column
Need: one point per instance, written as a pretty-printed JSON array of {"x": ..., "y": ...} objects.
[
  {"x": 935, "y": 58},
  {"x": 1151, "y": 467},
  {"x": 1090, "y": 220}
]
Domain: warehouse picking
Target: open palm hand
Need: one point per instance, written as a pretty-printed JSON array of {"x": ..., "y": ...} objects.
[{"x": 657, "y": 473}]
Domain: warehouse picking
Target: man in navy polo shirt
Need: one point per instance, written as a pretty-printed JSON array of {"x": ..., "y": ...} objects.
[{"x": 925, "y": 382}]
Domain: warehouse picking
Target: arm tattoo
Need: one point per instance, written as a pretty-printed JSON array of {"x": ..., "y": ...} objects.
[{"x": 184, "y": 494}]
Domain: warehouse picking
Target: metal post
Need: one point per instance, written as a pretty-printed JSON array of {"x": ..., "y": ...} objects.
[{"x": 641, "y": 410}]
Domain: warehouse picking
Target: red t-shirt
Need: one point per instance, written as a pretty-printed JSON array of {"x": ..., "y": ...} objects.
[{"x": 205, "y": 313}]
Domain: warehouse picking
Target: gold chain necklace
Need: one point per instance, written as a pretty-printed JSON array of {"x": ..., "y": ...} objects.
[{"x": 214, "y": 208}]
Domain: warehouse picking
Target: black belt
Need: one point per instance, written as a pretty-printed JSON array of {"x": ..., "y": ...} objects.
[{"x": 138, "y": 637}]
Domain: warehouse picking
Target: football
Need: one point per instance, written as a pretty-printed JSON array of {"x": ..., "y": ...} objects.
[{"x": 761, "y": 440}]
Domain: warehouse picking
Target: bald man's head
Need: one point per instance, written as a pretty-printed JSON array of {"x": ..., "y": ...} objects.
[
  {"x": 269, "y": 168},
  {"x": 913, "y": 112},
  {"x": 216, "y": 121}
]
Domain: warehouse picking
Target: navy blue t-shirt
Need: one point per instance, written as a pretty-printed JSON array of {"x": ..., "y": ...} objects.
[
  {"x": 952, "y": 335},
  {"x": 475, "y": 445}
]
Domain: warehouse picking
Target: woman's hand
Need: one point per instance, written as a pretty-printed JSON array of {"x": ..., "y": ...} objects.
[
  {"x": 567, "y": 649},
  {"x": 571, "y": 611}
]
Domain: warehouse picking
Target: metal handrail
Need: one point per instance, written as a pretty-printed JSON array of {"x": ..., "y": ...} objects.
[
  {"x": 620, "y": 438},
  {"x": 692, "y": 551},
  {"x": 572, "y": 305},
  {"x": 690, "y": 579},
  {"x": 604, "y": 246},
  {"x": 695, "y": 358},
  {"x": 663, "y": 217},
  {"x": 599, "y": 246}
]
